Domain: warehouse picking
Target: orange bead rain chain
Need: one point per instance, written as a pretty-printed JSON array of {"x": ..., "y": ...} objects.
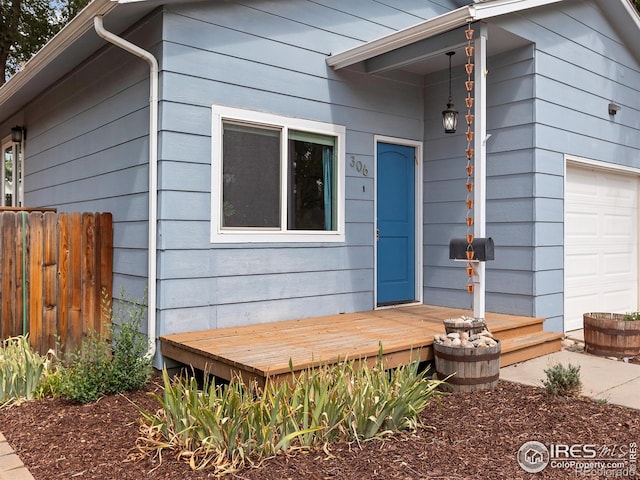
[{"x": 469, "y": 153}]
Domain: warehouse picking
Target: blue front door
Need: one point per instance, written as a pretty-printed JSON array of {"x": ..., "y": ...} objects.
[{"x": 396, "y": 235}]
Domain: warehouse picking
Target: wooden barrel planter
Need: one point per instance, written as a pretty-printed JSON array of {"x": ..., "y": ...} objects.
[
  {"x": 474, "y": 368},
  {"x": 475, "y": 327},
  {"x": 608, "y": 335}
]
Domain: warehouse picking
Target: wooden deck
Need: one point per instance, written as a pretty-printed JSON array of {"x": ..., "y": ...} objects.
[{"x": 405, "y": 333}]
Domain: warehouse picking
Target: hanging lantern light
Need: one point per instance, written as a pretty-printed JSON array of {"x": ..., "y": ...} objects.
[{"x": 450, "y": 114}]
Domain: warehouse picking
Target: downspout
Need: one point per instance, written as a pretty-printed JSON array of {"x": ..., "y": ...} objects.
[
  {"x": 480, "y": 180},
  {"x": 153, "y": 172}
]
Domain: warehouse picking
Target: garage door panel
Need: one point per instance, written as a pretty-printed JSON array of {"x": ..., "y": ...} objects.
[
  {"x": 579, "y": 266},
  {"x": 618, "y": 226},
  {"x": 601, "y": 262},
  {"x": 618, "y": 264},
  {"x": 616, "y": 301},
  {"x": 582, "y": 304},
  {"x": 584, "y": 184},
  {"x": 618, "y": 189},
  {"x": 584, "y": 224}
]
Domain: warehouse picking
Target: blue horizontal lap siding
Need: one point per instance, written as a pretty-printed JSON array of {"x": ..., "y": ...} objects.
[
  {"x": 272, "y": 57},
  {"x": 275, "y": 310},
  {"x": 184, "y": 147},
  {"x": 255, "y": 21},
  {"x": 389, "y": 16},
  {"x": 87, "y": 149},
  {"x": 579, "y": 69},
  {"x": 581, "y": 65},
  {"x": 506, "y": 210},
  {"x": 423, "y": 9},
  {"x": 192, "y": 177},
  {"x": 275, "y": 96},
  {"x": 511, "y": 210},
  {"x": 181, "y": 205},
  {"x": 183, "y": 235},
  {"x": 257, "y": 288},
  {"x": 104, "y": 161}
]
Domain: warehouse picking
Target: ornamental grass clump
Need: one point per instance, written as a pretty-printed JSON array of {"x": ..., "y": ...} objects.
[
  {"x": 230, "y": 426},
  {"x": 21, "y": 369}
]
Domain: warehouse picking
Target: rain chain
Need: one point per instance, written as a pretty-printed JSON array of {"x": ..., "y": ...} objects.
[{"x": 469, "y": 152}]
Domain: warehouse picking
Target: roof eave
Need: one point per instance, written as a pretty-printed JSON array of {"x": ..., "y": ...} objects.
[
  {"x": 71, "y": 32},
  {"x": 401, "y": 38},
  {"x": 429, "y": 28}
]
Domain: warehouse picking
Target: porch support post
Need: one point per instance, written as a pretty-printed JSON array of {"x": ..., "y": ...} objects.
[{"x": 480, "y": 177}]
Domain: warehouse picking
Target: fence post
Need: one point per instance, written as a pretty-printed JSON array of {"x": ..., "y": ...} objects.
[{"x": 35, "y": 279}]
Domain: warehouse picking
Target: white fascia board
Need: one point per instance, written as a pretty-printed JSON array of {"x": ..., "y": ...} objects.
[
  {"x": 496, "y": 8},
  {"x": 440, "y": 24},
  {"x": 631, "y": 10},
  {"x": 429, "y": 28},
  {"x": 71, "y": 32}
]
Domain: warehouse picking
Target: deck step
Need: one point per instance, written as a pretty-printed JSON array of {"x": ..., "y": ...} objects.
[
  {"x": 524, "y": 326},
  {"x": 530, "y": 345}
]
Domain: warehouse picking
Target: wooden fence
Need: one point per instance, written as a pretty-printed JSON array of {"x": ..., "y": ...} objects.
[{"x": 54, "y": 268}]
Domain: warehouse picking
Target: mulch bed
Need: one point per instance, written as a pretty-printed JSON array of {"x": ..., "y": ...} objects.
[{"x": 466, "y": 436}]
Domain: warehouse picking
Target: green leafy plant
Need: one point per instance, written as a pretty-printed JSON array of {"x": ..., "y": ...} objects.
[
  {"x": 51, "y": 381},
  {"x": 88, "y": 375},
  {"x": 130, "y": 367},
  {"x": 114, "y": 361},
  {"x": 226, "y": 427},
  {"x": 21, "y": 369},
  {"x": 631, "y": 317},
  {"x": 563, "y": 381}
]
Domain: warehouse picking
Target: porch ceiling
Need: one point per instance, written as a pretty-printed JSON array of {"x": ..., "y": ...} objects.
[
  {"x": 621, "y": 13},
  {"x": 428, "y": 55}
]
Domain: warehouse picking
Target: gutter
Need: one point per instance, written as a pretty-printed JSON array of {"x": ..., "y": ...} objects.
[
  {"x": 153, "y": 172},
  {"x": 69, "y": 34}
]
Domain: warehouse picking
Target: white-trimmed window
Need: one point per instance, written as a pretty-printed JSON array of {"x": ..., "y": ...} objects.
[
  {"x": 276, "y": 179},
  {"x": 11, "y": 172}
]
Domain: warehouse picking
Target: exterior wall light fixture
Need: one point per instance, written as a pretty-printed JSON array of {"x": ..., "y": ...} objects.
[
  {"x": 613, "y": 108},
  {"x": 18, "y": 134}
]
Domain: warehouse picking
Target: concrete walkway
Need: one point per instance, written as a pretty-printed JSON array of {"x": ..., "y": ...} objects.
[
  {"x": 11, "y": 467},
  {"x": 604, "y": 379}
]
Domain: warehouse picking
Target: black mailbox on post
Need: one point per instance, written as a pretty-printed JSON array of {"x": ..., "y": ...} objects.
[{"x": 482, "y": 249}]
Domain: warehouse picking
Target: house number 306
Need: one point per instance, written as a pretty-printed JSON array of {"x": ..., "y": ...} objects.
[{"x": 359, "y": 166}]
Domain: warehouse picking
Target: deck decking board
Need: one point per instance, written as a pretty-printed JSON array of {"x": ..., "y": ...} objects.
[{"x": 267, "y": 349}]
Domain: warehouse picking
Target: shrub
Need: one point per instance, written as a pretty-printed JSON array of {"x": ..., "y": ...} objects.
[
  {"x": 112, "y": 362},
  {"x": 230, "y": 426},
  {"x": 631, "y": 317},
  {"x": 88, "y": 375},
  {"x": 130, "y": 367},
  {"x": 563, "y": 381},
  {"x": 20, "y": 370}
]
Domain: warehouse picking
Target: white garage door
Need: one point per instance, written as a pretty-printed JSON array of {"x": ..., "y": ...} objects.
[{"x": 601, "y": 249}]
